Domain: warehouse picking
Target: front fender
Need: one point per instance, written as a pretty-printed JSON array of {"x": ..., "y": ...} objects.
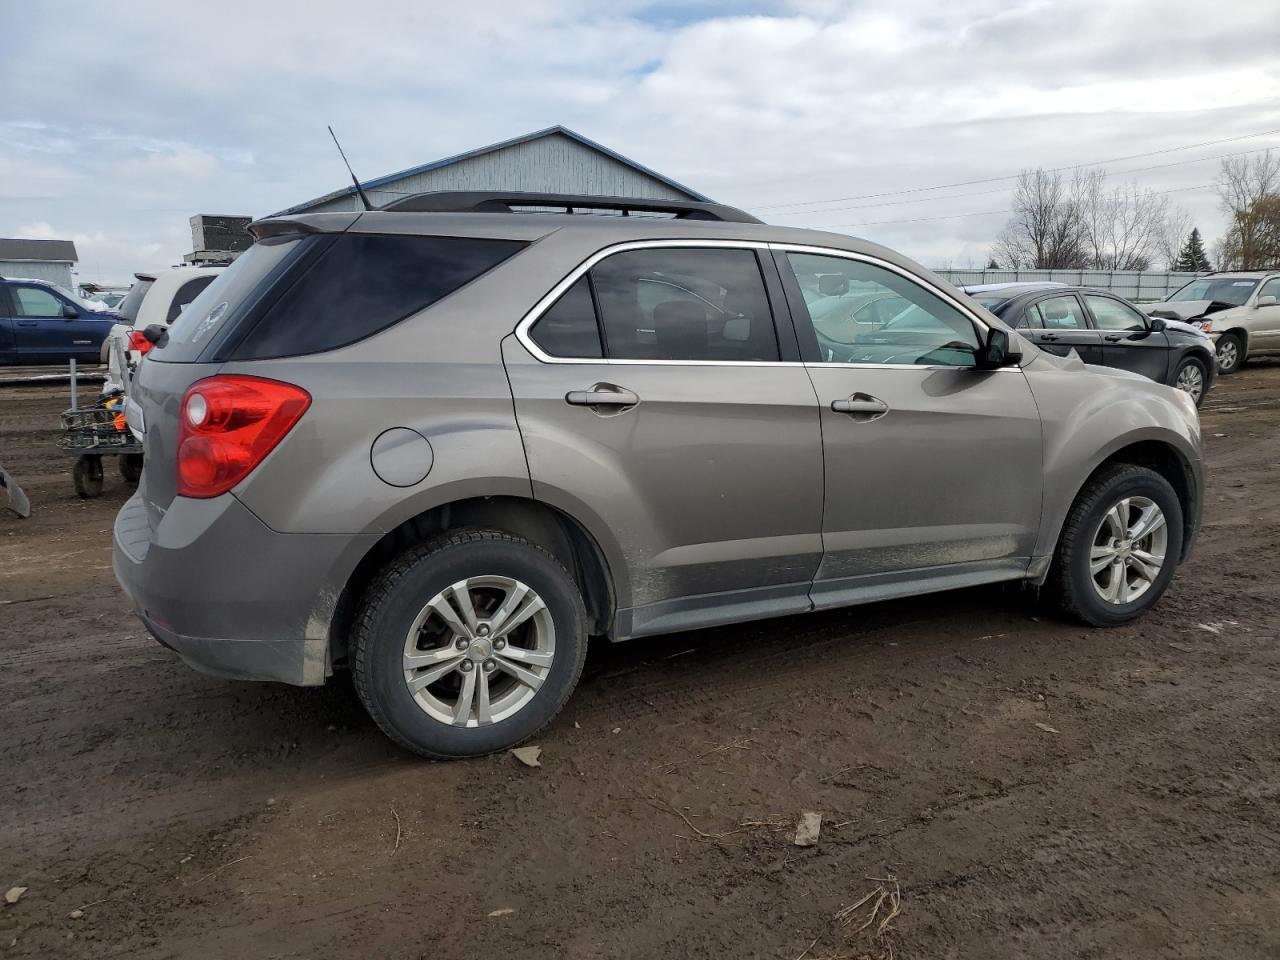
[{"x": 1089, "y": 418}]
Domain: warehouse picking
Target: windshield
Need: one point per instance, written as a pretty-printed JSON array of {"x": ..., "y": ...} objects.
[
  {"x": 128, "y": 308},
  {"x": 1221, "y": 289}
]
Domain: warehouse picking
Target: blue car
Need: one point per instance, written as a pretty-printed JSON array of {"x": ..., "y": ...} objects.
[{"x": 42, "y": 323}]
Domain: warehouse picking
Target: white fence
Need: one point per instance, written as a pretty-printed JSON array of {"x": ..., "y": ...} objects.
[{"x": 1136, "y": 285}]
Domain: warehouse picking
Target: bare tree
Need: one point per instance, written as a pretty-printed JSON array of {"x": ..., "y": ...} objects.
[
  {"x": 1044, "y": 229},
  {"x": 1250, "y": 192},
  {"x": 1173, "y": 235},
  {"x": 1121, "y": 227}
]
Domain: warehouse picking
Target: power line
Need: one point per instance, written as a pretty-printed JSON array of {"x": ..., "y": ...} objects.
[
  {"x": 1014, "y": 176},
  {"x": 960, "y": 216}
]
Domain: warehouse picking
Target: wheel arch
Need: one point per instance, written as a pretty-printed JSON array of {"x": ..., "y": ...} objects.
[
  {"x": 564, "y": 536},
  {"x": 1159, "y": 453}
]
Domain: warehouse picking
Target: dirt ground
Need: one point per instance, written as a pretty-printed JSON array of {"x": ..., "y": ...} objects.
[{"x": 1027, "y": 787}]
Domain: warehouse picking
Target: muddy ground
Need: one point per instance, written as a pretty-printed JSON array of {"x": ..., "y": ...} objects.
[{"x": 1027, "y": 787}]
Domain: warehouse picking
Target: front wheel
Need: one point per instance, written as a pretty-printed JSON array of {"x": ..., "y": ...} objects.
[
  {"x": 1230, "y": 353},
  {"x": 469, "y": 644},
  {"x": 86, "y": 475},
  {"x": 1119, "y": 547},
  {"x": 1190, "y": 378}
]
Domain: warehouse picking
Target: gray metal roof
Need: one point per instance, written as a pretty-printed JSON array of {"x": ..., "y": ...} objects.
[
  {"x": 491, "y": 148},
  {"x": 58, "y": 251}
]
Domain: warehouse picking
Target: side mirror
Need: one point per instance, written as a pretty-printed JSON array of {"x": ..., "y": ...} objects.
[
  {"x": 69, "y": 312},
  {"x": 833, "y": 285},
  {"x": 997, "y": 351},
  {"x": 1267, "y": 301},
  {"x": 1158, "y": 324}
]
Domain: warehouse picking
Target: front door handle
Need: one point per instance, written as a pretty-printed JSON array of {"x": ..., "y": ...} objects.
[
  {"x": 602, "y": 395},
  {"x": 1114, "y": 337},
  {"x": 861, "y": 406}
]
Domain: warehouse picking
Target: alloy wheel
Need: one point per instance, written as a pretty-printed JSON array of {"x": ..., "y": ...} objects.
[
  {"x": 479, "y": 650},
  {"x": 1228, "y": 355},
  {"x": 1129, "y": 550},
  {"x": 1191, "y": 381}
]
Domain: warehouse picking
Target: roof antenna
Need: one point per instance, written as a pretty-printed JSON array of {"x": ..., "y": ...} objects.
[{"x": 359, "y": 189}]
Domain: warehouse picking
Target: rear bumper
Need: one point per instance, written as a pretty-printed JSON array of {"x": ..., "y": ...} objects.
[{"x": 231, "y": 596}]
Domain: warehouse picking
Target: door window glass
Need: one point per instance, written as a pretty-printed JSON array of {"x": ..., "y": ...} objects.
[
  {"x": 34, "y": 302},
  {"x": 1270, "y": 289},
  {"x": 568, "y": 328},
  {"x": 862, "y": 313},
  {"x": 1056, "y": 313},
  {"x": 1113, "y": 315},
  {"x": 684, "y": 304}
]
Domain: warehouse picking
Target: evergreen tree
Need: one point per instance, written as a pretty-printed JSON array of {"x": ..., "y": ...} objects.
[
  {"x": 1193, "y": 259},
  {"x": 992, "y": 264}
]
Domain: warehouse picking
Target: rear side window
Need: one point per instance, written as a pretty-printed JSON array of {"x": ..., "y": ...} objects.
[
  {"x": 186, "y": 293},
  {"x": 569, "y": 328},
  {"x": 1056, "y": 313},
  {"x": 684, "y": 304},
  {"x": 360, "y": 284}
]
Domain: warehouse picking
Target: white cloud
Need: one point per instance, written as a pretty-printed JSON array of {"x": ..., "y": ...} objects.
[{"x": 154, "y": 115}]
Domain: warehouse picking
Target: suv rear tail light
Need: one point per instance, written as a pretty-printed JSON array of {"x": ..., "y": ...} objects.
[
  {"x": 229, "y": 423},
  {"x": 138, "y": 341}
]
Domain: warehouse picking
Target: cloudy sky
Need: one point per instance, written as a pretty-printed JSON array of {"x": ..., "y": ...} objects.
[{"x": 118, "y": 121}]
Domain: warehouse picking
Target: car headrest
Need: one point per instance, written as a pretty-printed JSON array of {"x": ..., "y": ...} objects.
[
  {"x": 680, "y": 328},
  {"x": 1055, "y": 310}
]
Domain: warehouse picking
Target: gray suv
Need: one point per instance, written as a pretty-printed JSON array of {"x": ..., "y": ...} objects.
[{"x": 444, "y": 442}]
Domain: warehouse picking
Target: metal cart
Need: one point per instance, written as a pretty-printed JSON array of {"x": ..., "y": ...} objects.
[{"x": 91, "y": 433}]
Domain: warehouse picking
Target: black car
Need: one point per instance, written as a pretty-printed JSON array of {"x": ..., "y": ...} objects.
[{"x": 1107, "y": 330}]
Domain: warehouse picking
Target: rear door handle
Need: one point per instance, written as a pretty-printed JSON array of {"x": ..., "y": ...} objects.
[
  {"x": 861, "y": 405},
  {"x": 1047, "y": 337},
  {"x": 602, "y": 395}
]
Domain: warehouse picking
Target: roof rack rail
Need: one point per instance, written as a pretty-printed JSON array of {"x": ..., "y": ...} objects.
[{"x": 486, "y": 201}]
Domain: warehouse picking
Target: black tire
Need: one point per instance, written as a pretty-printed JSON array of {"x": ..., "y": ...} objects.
[
  {"x": 1204, "y": 377},
  {"x": 87, "y": 477},
  {"x": 131, "y": 467},
  {"x": 397, "y": 595},
  {"x": 1070, "y": 584},
  {"x": 1235, "y": 353}
]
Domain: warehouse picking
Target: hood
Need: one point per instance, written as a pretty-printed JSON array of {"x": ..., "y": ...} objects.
[
  {"x": 1182, "y": 327},
  {"x": 1185, "y": 309},
  {"x": 1115, "y": 372}
]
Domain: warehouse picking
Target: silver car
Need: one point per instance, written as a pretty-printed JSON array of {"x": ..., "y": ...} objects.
[{"x": 443, "y": 443}]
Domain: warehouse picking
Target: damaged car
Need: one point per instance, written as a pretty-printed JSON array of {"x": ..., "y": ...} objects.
[{"x": 1239, "y": 310}]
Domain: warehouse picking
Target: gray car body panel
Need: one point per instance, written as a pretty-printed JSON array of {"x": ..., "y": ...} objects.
[{"x": 730, "y": 492}]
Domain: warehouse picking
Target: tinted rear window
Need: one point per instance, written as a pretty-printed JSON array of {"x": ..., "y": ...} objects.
[
  {"x": 359, "y": 284},
  {"x": 128, "y": 308},
  {"x": 234, "y": 292},
  {"x": 186, "y": 293}
]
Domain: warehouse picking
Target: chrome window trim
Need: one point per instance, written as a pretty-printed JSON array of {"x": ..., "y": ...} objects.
[{"x": 554, "y": 294}]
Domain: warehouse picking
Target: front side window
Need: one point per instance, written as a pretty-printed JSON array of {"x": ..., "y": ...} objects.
[
  {"x": 1270, "y": 289},
  {"x": 674, "y": 303},
  {"x": 1056, "y": 313},
  {"x": 863, "y": 313},
  {"x": 34, "y": 302},
  {"x": 1111, "y": 314}
]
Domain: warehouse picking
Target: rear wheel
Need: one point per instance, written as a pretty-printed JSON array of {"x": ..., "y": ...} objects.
[
  {"x": 1190, "y": 378},
  {"x": 1119, "y": 547},
  {"x": 1230, "y": 353},
  {"x": 87, "y": 477},
  {"x": 131, "y": 467},
  {"x": 469, "y": 644}
]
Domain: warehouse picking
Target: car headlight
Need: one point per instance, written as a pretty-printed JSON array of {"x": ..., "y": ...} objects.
[{"x": 1206, "y": 326}]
